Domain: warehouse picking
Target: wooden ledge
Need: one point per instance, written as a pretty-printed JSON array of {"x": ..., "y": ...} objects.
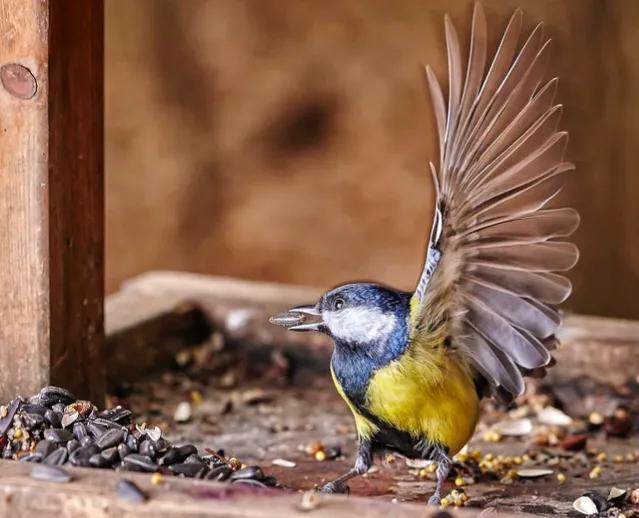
[
  {"x": 162, "y": 304},
  {"x": 92, "y": 493}
]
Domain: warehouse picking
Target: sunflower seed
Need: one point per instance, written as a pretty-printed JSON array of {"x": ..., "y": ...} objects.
[
  {"x": 44, "y": 448},
  {"x": 73, "y": 445},
  {"x": 188, "y": 469},
  {"x": 69, "y": 418},
  {"x": 53, "y": 395},
  {"x": 58, "y": 435},
  {"x": 141, "y": 461},
  {"x": 54, "y": 418},
  {"x": 219, "y": 474},
  {"x": 32, "y": 421},
  {"x": 110, "y": 438},
  {"x": 585, "y": 505},
  {"x": 111, "y": 455},
  {"x": 287, "y": 319},
  {"x": 123, "y": 451},
  {"x": 129, "y": 490},
  {"x": 254, "y": 472},
  {"x": 57, "y": 457},
  {"x": 79, "y": 431},
  {"x": 50, "y": 474},
  {"x": 147, "y": 448}
]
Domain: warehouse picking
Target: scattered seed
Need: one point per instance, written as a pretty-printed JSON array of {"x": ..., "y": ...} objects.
[
  {"x": 534, "y": 473},
  {"x": 50, "y": 474},
  {"x": 69, "y": 419},
  {"x": 129, "y": 490},
  {"x": 182, "y": 413},
  {"x": 283, "y": 463},
  {"x": 310, "y": 500}
]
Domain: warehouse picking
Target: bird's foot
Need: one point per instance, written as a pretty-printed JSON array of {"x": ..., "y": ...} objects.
[
  {"x": 335, "y": 487},
  {"x": 435, "y": 499}
]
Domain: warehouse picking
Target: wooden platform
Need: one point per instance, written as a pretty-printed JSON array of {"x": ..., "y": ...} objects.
[{"x": 163, "y": 314}]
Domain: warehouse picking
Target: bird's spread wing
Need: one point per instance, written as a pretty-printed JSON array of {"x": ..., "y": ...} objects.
[{"x": 489, "y": 284}]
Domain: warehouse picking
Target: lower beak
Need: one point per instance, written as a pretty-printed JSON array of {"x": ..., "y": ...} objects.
[{"x": 295, "y": 319}]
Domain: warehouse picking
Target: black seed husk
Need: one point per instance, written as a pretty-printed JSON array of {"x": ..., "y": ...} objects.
[
  {"x": 98, "y": 461},
  {"x": 111, "y": 455},
  {"x": 254, "y": 472},
  {"x": 31, "y": 421},
  {"x": 73, "y": 445},
  {"x": 123, "y": 451},
  {"x": 141, "y": 461},
  {"x": 79, "y": 431},
  {"x": 50, "y": 396},
  {"x": 59, "y": 435},
  {"x": 44, "y": 448},
  {"x": 187, "y": 469},
  {"x": 50, "y": 474},
  {"x": 54, "y": 418},
  {"x": 86, "y": 441},
  {"x": 147, "y": 448},
  {"x": 110, "y": 438},
  {"x": 57, "y": 457},
  {"x": 219, "y": 474},
  {"x": 129, "y": 490}
]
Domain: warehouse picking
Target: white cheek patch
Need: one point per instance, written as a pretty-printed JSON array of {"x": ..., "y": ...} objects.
[{"x": 360, "y": 325}]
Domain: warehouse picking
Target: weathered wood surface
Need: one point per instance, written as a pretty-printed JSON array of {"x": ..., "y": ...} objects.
[
  {"x": 51, "y": 196},
  {"x": 92, "y": 493},
  {"x": 602, "y": 348}
]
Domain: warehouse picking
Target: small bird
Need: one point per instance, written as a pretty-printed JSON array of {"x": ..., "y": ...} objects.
[{"x": 413, "y": 366}]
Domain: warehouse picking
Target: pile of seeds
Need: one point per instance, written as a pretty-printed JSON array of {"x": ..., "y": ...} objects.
[{"x": 54, "y": 428}]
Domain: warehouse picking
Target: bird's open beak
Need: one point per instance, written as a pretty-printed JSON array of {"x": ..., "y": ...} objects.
[{"x": 296, "y": 319}]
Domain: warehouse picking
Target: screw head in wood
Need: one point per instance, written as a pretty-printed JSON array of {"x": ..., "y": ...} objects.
[{"x": 18, "y": 80}]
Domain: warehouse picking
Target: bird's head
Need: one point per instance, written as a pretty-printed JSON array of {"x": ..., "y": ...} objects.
[{"x": 354, "y": 315}]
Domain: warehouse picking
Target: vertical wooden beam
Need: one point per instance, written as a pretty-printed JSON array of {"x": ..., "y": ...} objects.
[{"x": 51, "y": 196}]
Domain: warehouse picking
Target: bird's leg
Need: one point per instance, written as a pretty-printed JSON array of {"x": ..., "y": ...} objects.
[
  {"x": 444, "y": 463},
  {"x": 362, "y": 465}
]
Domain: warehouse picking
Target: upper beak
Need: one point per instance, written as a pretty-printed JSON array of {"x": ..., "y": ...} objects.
[{"x": 295, "y": 319}]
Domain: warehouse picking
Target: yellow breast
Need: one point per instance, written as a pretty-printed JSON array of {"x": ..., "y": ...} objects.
[{"x": 434, "y": 399}]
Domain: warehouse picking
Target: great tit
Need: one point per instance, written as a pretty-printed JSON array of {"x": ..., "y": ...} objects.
[{"x": 413, "y": 367}]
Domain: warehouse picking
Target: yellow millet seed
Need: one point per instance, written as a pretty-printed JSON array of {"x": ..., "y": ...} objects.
[
  {"x": 17, "y": 434},
  {"x": 156, "y": 479},
  {"x": 561, "y": 478},
  {"x": 595, "y": 472},
  {"x": 602, "y": 457},
  {"x": 444, "y": 502},
  {"x": 459, "y": 482},
  {"x": 320, "y": 455}
]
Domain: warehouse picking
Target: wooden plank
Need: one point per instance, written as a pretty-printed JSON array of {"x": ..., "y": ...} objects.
[
  {"x": 599, "y": 347},
  {"x": 51, "y": 197},
  {"x": 76, "y": 195},
  {"x": 92, "y": 493}
]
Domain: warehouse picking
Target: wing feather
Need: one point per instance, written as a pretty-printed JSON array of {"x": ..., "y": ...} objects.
[{"x": 490, "y": 281}]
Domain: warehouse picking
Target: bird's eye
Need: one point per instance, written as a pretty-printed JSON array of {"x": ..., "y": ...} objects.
[{"x": 338, "y": 304}]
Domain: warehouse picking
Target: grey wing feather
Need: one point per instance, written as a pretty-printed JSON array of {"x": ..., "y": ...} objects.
[{"x": 490, "y": 277}]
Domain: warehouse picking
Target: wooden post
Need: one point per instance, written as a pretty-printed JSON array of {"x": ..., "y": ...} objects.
[{"x": 51, "y": 196}]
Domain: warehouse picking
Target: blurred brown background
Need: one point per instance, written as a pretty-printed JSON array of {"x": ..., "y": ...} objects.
[{"x": 287, "y": 140}]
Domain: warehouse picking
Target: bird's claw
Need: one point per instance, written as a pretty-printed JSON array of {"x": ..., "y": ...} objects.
[
  {"x": 334, "y": 487},
  {"x": 435, "y": 499}
]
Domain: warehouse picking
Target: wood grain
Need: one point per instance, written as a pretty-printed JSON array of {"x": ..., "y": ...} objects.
[
  {"x": 51, "y": 197},
  {"x": 76, "y": 195},
  {"x": 24, "y": 264},
  {"x": 91, "y": 493}
]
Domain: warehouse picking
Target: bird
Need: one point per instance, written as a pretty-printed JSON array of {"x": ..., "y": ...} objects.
[{"x": 413, "y": 366}]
